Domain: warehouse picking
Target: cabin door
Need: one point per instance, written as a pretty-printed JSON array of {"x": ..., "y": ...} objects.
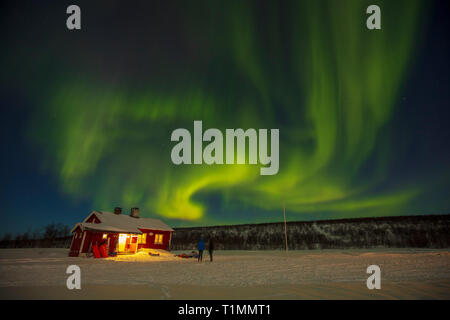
[
  {"x": 122, "y": 242},
  {"x": 127, "y": 243},
  {"x": 133, "y": 243}
]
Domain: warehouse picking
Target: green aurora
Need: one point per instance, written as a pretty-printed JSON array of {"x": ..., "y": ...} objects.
[{"x": 310, "y": 68}]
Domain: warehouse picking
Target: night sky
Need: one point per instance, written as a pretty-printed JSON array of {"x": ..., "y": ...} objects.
[{"x": 86, "y": 115}]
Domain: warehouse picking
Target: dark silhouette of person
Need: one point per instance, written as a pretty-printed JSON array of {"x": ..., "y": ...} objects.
[
  {"x": 211, "y": 249},
  {"x": 201, "y": 247}
]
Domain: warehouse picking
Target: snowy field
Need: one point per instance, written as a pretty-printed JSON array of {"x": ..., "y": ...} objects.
[{"x": 322, "y": 274}]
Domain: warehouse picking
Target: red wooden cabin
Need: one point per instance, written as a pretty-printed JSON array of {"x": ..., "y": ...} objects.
[{"x": 120, "y": 232}]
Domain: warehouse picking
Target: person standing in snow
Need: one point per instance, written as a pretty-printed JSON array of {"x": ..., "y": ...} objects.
[
  {"x": 211, "y": 249},
  {"x": 201, "y": 247}
]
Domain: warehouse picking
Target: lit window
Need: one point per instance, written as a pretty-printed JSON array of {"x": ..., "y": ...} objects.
[
  {"x": 142, "y": 238},
  {"x": 158, "y": 238}
]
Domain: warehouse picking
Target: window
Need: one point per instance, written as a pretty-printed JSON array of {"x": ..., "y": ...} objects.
[
  {"x": 158, "y": 238},
  {"x": 142, "y": 238}
]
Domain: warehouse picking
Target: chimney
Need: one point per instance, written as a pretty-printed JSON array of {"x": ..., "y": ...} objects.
[
  {"x": 134, "y": 212},
  {"x": 117, "y": 210}
]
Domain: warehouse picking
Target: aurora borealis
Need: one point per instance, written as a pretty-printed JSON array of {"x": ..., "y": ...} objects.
[{"x": 362, "y": 129}]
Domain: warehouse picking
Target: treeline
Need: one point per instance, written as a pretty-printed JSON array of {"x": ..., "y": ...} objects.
[
  {"x": 54, "y": 235},
  {"x": 431, "y": 231}
]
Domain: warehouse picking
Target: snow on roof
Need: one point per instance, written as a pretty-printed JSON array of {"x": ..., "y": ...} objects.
[
  {"x": 122, "y": 223},
  {"x": 106, "y": 228}
]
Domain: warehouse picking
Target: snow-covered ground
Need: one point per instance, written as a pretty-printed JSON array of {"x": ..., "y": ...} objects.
[{"x": 334, "y": 274}]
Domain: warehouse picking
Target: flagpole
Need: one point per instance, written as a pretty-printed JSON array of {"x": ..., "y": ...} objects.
[{"x": 285, "y": 230}]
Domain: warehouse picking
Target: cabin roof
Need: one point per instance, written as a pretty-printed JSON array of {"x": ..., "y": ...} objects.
[{"x": 121, "y": 223}]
